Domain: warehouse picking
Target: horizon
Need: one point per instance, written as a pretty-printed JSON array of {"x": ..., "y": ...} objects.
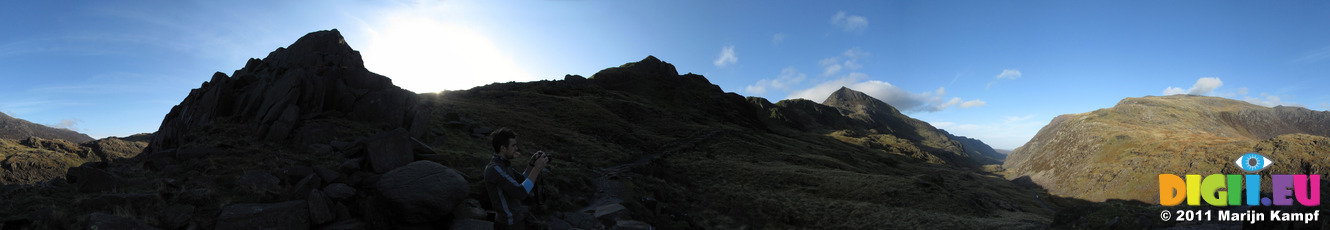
[{"x": 993, "y": 71}]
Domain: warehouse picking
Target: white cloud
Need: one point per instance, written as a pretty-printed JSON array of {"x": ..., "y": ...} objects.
[
  {"x": 1203, "y": 86},
  {"x": 848, "y": 60},
  {"x": 849, "y": 22},
  {"x": 727, "y": 57},
  {"x": 1009, "y": 74},
  {"x": 779, "y": 37},
  {"x": 1174, "y": 91},
  {"x": 886, "y": 92},
  {"x": 788, "y": 78},
  {"x": 972, "y": 103},
  {"x": 1243, "y": 91},
  {"x": 1325, "y": 105},
  {"x": 70, "y": 124},
  {"x": 1269, "y": 100}
]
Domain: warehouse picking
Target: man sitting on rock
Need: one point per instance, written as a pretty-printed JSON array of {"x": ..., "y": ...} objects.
[{"x": 505, "y": 186}]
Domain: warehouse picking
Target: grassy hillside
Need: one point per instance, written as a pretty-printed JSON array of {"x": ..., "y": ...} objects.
[{"x": 1117, "y": 153}]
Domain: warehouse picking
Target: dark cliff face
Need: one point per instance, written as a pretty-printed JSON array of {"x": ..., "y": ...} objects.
[
  {"x": 1115, "y": 153},
  {"x": 317, "y": 76},
  {"x": 15, "y": 129}
]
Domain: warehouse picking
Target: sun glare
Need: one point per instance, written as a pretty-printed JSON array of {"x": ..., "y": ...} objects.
[{"x": 423, "y": 54}]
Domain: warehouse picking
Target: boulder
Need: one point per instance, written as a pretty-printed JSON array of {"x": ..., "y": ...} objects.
[
  {"x": 320, "y": 210},
  {"x": 327, "y": 174},
  {"x": 107, "y": 221},
  {"x": 175, "y": 216},
  {"x": 348, "y": 224},
  {"x": 609, "y": 214},
  {"x": 285, "y": 215},
  {"x": 469, "y": 209},
  {"x": 310, "y": 182},
  {"x": 389, "y": 150},
  {"x": 339, "y": 191},
  {"x": 631, "y": 225},
  {"x": 472, "y": 224},
  {"x": 260, "y": 180},
  {"x": 89, "y": 179},
  {"x": 423, "y": 191}
]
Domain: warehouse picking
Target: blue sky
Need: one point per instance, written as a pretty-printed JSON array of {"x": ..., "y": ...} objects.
[{"x": 993, "y": 70}]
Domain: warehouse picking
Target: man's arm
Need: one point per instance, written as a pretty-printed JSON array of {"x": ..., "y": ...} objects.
[{"x": 507, "y": 183}]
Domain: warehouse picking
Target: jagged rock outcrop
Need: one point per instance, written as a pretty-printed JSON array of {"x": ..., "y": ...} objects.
[
  {"x": 1103, "y": 154},
  {"x": 661, "y": 82},
  {"x": 16, "y": 129},
  {"x": 317, "y": 76}
]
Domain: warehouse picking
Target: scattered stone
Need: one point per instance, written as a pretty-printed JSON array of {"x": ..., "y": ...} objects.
[
  {"x": 480, "y": 132},
  {"x": 310, "y": 182},
  {"x": 389, "y": 150},
  {"x": 259, "y": 180},
  {"x": 348, "y": 224},
  {"x": 471, "y": 224},
  {"x": 341, "y": 146},
  {"x": 339, "y": 191},
  {"x": 285, "y": 215},
  {"x": 609, "y": 214},
  {"x": 109, "y": 201},
  {"x": 423, "y": 191},
  {"x": 327, "y": 174},
  {"x": 319, "y": 209},
  {"x": 469, "y": 209},
  {"x": 176, "y": 216},
  {"x": 89, "y": 179},
  {"x": 107, "y": 221},
  {"x": 198, "y": 197},
  {"x": 631, "y": 225},
  {"x": 295, "y": 172},
  {"x": 350, "y": 165},
  {"x": 321, "y": 149}
]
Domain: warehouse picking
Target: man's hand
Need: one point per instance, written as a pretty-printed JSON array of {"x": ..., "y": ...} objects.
[{"x": 540, "y": 159}]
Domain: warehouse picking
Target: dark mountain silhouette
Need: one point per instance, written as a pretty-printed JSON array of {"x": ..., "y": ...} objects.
[
  {"x": 18, "y": 129},
  {"x": 308, "y": 138},
  {"x": 1118, "y": 152}
]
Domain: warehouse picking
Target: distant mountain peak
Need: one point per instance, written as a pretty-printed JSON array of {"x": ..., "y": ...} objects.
[
  {"x": 15, "y": 128},
  {"x": 853, "y": 99}
]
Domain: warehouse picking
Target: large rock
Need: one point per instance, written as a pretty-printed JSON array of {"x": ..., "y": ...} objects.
[
  {"x": 423, "y": 191},
  {"x": 317, "y": 76},
  {"x": 286, "y": 215},
  {"x": 89, "y": 179},
  {"x": 389, "y": 150},
  {"x": 107, "y": 221}
]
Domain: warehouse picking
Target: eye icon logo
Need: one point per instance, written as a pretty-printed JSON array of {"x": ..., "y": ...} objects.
[{"x": 1252, "y": 162}]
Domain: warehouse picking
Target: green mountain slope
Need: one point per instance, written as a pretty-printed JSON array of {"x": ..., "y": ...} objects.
[{"x": 1118, "y": 152}]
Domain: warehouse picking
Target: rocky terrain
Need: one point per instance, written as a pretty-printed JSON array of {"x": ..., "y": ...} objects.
[
  {"x": 307, "y": 138},
  {"x": 1118, "y": 152},
  {"x": 17, "y": 129}
]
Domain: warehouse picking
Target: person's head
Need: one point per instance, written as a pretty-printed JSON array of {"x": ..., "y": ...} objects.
[{"x": 504, "y": 141}]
